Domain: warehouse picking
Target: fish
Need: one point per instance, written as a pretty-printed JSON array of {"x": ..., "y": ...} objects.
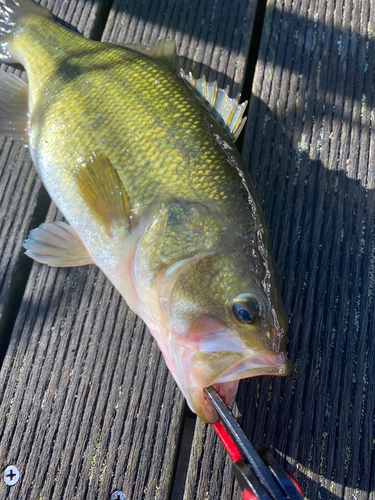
[{"x": 142, "y": 163}]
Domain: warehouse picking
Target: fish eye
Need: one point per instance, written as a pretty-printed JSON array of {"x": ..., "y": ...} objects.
[{"x": 246, "y": 309}]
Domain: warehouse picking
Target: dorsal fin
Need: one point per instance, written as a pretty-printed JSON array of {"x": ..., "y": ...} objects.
[
  {"x": 228, "y": 112},
  {"x": 163, "y": 51},
  {"x": 103, "y": 192}
]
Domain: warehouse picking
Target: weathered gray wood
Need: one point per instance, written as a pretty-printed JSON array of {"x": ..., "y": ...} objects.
[
  {"x": 19, "y": 188},
  {"x": 86, "y": 401},
  {"x": 210, "y": 473},
  {"x": 212, "y": 37},
  {"x": 309, "y": 144},
  {"x": 324, "y": 126}
]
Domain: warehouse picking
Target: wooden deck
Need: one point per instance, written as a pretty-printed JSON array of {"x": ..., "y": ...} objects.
[{"x": 87, "y": 406}]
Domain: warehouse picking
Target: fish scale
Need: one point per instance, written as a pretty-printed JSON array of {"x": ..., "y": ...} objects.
[{"x": 154, "y": 192}]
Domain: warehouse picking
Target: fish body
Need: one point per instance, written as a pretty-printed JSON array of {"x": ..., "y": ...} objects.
[{"x": 155, "y": 194}]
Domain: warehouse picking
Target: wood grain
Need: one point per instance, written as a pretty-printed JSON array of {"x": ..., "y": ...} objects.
[
  {"x": 309, "y": 145},
  {"x": 212, "y": 37},
  {"x": 330, "y": 178},
  {"x": 87, "y": 405},
  {"x": 19, "y": 204}
]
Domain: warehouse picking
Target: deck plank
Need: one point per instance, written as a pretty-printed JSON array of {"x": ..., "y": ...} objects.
[
  {"x": 212, "y": 38},
  {"x": 87, "y": 404},
  {"x": 21, "y": 201},
  {"x": 89, "y": 407},
  {"x": 309, "y": 144},
  {"x": 325, "y": 101}
]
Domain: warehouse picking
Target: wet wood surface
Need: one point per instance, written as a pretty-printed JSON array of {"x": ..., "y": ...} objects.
[{"x": 87, "y": 406}]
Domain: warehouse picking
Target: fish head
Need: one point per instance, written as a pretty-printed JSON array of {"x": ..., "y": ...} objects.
[{"x": 225, "y": 322}]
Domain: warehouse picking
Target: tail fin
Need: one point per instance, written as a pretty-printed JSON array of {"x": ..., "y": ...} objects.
[
  {"x": 14, "y": 120},
  {"x": 11, "y": 11}
]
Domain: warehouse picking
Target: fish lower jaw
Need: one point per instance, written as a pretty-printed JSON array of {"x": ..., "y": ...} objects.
[
  {"x": 277, "y": 365},
  {"x": 226, "y": 384},
  {"x": 207, "y": 368},
  {"x": 203, "y": 408}
]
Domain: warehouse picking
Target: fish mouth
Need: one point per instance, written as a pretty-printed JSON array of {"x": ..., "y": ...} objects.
[
  {"x": 208, "y": 368},
  {"x": 226, "y": 390},
  {"x": 226, "y": 382}
]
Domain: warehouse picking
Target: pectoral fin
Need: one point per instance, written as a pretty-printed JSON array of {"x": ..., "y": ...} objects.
[
  {"x": 14, "y": 118},
  {"x": 102, "y": 190},
  {"x": 58, "y": 245}
]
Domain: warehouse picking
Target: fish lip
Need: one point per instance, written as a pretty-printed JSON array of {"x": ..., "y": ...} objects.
[
  {"x": 226, "y": 384},
  {"x": 264, "y": 364},
  {"x": 238, "y": 365},
  {"x": 204, "y": 408},
  {"x": 248, "y": 363}
]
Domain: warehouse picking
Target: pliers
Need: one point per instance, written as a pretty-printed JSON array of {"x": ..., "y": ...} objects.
[{"x": 258, "y": 473}]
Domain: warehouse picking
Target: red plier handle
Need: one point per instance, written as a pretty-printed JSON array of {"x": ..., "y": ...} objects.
[{"x": 258, "y": 473}]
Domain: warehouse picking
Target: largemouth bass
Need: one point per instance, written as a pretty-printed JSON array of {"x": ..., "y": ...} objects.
[{"x": 155, "y": 194}]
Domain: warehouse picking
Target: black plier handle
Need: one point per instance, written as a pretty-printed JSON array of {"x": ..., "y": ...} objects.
[{"x": 258, "y": 473}]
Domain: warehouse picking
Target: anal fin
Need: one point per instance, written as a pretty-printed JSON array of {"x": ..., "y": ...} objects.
[
  {"x": 58, "y": 245},
  {"x": 102, "y": 190},
  {"x": 14, "y": 118}
]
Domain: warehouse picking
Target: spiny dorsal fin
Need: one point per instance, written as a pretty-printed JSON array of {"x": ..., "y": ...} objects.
[
  {"x": 163, "y": 51},
  {"x": 14, "y": 118},
  {"x": 227, "y": 111},
  {"x": 102, "y": 190},
  {"x": 58, "y": 245}
]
